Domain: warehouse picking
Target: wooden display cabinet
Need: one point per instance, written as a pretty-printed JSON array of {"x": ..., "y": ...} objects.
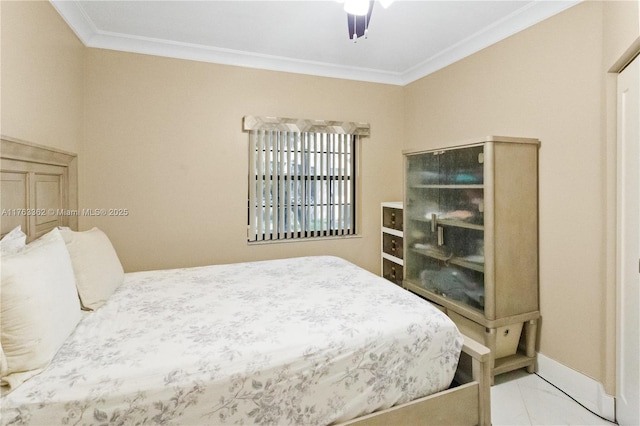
[{"x": 471, "y": 241}]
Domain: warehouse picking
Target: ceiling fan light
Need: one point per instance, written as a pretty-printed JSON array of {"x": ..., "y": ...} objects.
[{"x": 356, "y": 7}]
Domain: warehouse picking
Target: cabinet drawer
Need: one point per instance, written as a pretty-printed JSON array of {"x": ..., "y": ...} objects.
[
  {"x": 392, "y": 271},
  {"x": 507, "y": 337},
  {"x": 392, "y": 245},
  {"x": 392, "y": 218}
]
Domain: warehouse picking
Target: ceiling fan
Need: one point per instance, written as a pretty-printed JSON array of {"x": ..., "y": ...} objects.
[{"x": 359, "y": 16}]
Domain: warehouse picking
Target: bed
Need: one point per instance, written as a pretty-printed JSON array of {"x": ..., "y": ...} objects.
[{"x": 311, "y": 340}]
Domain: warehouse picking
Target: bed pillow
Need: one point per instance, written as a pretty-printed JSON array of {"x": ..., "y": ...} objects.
[
  {"x": 96, "y": 266},
  {"x": 14, "y": 241},
  {"x": 40, "y": 307}
]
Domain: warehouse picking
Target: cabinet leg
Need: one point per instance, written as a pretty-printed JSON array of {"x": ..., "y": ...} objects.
[
  {"x": 490, "y": 342},
  {"x": 530, "y": 331}
]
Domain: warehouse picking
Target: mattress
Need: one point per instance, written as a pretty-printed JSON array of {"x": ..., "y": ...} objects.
[{"x": 311, "y": 340}]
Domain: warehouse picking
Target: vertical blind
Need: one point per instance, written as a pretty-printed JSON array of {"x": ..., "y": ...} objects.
[{"x": 301, "y": 178}]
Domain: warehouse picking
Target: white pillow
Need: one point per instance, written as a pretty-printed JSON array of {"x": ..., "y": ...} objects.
[
  {"x": 96, "y": 265},
  {"x": 40, "y": 307},
  {"x": 14, "y": 241}
]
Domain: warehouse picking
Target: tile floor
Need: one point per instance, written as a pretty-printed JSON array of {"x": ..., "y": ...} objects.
[{"x": 519, "y": 398}]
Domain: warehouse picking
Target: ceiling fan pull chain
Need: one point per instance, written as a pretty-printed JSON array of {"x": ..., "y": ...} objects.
[
  {"x": 355, "y": 30},
  {"x": 366, "y": 27}
]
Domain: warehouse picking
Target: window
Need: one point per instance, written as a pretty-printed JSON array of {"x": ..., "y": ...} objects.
[{"x": 302, "y": 178}]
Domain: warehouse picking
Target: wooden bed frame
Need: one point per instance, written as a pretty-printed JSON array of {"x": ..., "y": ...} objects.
[
  {"x": 39, "y": 190},
  {"x": 468, "y": 403}
]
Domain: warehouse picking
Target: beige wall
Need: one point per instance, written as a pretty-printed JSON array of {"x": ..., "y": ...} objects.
[
  {"x": 622, "y": 27},
  {"x": 42, "y": 76},
  {"x": 164, "y": 140},
  {"x": 548, "y": 82}
]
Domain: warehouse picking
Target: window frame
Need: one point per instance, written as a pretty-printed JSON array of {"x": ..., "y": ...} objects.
[{"x": 307, "y": 133}]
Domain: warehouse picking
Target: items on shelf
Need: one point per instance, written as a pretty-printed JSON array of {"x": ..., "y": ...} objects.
[
  {"x": 470, "y": 177},
  {"x": 454, "y": 284},
  {"x": 452, "y": 215},
  {"x": 466, "y": 205}
]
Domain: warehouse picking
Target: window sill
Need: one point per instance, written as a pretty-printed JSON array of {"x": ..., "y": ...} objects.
[{"x": 304, "y": 240}]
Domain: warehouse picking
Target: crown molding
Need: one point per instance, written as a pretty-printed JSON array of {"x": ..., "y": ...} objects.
[
  {"x": 75, "y": 16},
  {"x": 84, "y": 28}
]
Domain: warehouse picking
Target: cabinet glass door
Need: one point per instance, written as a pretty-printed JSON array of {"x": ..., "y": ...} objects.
[{"x": 445, "y": 229}]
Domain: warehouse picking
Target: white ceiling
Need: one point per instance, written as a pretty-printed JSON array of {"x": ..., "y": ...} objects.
[{"x": 407, "y": 41}]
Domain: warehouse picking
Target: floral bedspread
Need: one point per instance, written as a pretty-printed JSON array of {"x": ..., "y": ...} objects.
[{"x": 312, "y": 340}]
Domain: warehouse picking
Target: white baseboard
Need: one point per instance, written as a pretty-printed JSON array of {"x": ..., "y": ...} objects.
[{"x": 583, "y": 389}]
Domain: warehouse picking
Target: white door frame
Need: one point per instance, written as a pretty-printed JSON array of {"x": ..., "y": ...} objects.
[{"x": 628, "y": 246}]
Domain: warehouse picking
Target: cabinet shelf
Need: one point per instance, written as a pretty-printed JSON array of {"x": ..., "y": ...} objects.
[
  {"x": 460, "y": 261},
  {"x": 513, "y": 362},
  {"x": 459, "y": 224},
  {"x": 450, "y": 222}
]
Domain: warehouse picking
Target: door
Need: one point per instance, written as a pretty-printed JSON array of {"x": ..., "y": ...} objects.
[{"x": 628, "y": 247}]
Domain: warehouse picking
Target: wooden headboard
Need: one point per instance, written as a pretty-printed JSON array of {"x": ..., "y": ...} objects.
[{"x": 39, "y": 188}]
